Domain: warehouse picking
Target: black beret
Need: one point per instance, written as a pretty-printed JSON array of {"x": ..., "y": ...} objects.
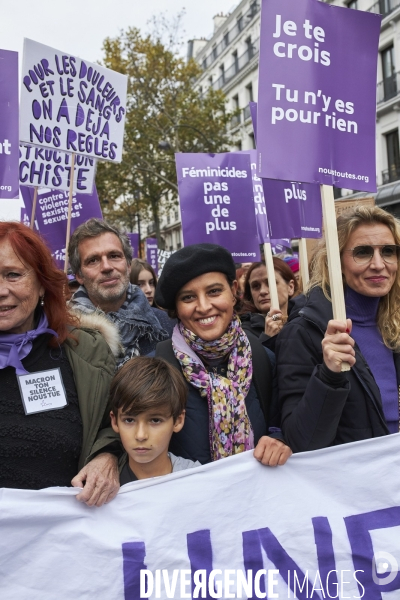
[{"x": 188, "y": 263}]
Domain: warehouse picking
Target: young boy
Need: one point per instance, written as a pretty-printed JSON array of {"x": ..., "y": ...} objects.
[{"x": 148, "y": 399}]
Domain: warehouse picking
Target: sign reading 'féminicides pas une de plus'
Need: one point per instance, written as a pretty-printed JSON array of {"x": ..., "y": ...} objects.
[
  {"x": 317, "y": 94},
  {"x": 216, "y": 199}
]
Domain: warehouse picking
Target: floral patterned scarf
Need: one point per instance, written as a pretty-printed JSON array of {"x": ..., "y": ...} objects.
[{"x": 230, "y": 428}]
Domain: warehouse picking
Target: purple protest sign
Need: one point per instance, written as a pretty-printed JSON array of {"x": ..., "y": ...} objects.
[
  {"x": 9, "y": 184},
  {"x": 294, "y": 209},
  {"x": 25, "y": 218},
  {"x": 216, "y": 199},
  {"x": 259, "y": 200},
  {"x": 317, "y": 94},
  {"x": 51, "y": 215},
  {"x": 281, "y": 245},
  {"x": 285, "y": 209},
  {"x": 134, "y": 240},
  {"x": 151, "y": 252}
]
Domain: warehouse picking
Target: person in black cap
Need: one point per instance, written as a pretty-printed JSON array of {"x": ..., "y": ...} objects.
[{"x": 228, "y": 372}]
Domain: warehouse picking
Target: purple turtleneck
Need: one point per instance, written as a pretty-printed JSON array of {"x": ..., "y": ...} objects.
[{"x": 362, "y": 310}]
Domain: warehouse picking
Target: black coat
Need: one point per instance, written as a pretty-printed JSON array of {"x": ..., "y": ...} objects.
[
  {"x": 193, "y": 440},
  {"x": 315, "y": 414},
  {"x": 255, "y": 322}
]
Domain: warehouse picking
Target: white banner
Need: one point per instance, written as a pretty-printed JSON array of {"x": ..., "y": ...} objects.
[
  {"x": 44, "y": 167},
  {"x": 70, "y": 104},
  {"x": 229, "y": 529}
]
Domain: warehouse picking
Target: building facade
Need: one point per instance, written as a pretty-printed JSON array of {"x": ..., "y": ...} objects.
[
  {"x": 171, "y": 229},
  {"x": 230, "y": 63}
]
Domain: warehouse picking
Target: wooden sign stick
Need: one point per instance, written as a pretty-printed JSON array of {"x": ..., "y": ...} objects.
[
  {"x": 71, "y": 188},
  {"x": 269, "y": 263},
  {"x": 35, "y": 193},
  {"x": 304, "y": 272},
  {"x": 332, "y": 248}
]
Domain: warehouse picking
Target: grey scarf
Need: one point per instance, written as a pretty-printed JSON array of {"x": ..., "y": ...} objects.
[{"x": 137, "y": 324}]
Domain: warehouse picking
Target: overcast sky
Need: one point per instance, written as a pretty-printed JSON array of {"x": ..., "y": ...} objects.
[{"x": 80, "y": 26}]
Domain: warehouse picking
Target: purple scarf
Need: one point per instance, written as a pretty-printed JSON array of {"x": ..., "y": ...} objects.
[{"x": 16, "y": 346}]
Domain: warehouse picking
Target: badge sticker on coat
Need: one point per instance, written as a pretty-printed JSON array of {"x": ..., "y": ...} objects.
[{"x": 42, "y": 391}]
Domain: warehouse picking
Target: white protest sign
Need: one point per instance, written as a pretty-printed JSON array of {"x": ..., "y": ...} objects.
[
  {"x": 162, "y": 257},
  {"x": 42, "y": 391},
  {"x": 70, "y": 104},
  {"x": 44, "y": 167},
  {"x": 234, "y": 527}
]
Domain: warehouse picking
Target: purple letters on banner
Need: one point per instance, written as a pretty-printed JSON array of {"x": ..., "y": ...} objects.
[
  {"x": 216, "y": 199},
  {"x": 9, "y": 152},
  {"x": 134, "y": 240},
  {"x": 317, "y": 94},
  {"x": 151, "y": 252},
  {"x": 51, "y": 215}
]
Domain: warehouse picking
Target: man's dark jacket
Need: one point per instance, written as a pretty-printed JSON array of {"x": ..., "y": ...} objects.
[{"x": 316, "y": 413}]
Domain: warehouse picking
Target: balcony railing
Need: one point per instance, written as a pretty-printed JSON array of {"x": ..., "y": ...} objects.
[
  {"x": 235, "y": 121},
  {"x": 388, "y": 88},
  {"x": 246, "y": 113},
  {"x": 231, "y": 35},
  {"x": 384, "y": 7},
  {"x": 392, "y": 174},
  {"x": 237, "y": 66}
]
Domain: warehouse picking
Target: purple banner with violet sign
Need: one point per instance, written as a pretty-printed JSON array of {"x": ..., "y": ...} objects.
[
  {"x": 151, "y": 253},
  {"x": 9, "y": 149},
  {"x": 134, "y": 240},
  {"x": 216, "y": 200},
  {"x": 51, "y": 215},
  {"x": 317, "y": 94}
]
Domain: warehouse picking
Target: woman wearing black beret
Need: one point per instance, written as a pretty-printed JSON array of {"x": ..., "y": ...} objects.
[{"x": 229, "y": 375}]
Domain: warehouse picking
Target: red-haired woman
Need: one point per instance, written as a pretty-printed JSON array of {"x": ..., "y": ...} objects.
[{"x": 54, "y": 379}]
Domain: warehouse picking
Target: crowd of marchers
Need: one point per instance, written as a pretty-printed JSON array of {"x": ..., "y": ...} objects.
[{"x": 161, "y": 376}]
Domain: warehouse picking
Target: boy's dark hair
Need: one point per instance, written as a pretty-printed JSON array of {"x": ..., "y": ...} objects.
[{"x": 145, "y": 383}]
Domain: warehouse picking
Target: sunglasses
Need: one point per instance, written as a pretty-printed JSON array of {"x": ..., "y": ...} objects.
[{"x": 363, "y": 254}]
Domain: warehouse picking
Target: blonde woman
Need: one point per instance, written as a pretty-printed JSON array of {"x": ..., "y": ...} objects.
[{"x": 321, "y": 406}]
